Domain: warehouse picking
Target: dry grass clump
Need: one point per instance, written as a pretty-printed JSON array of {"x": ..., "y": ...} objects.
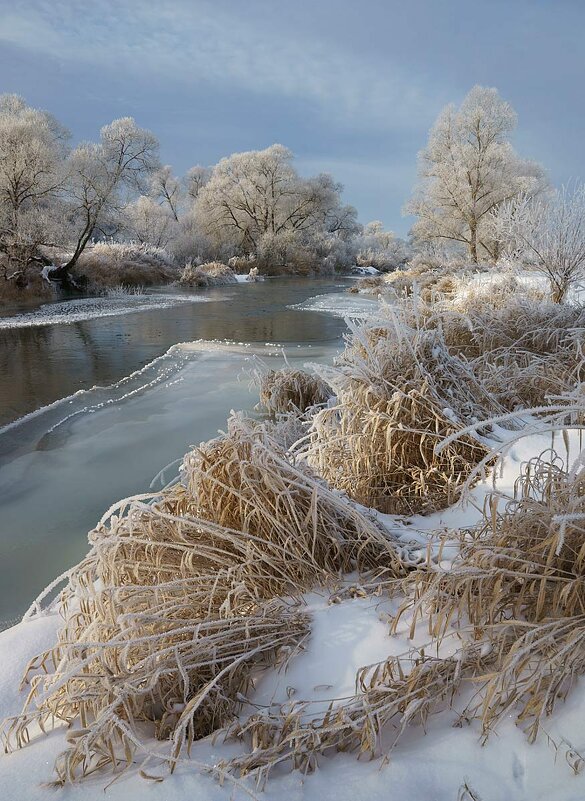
[
  {"x": 370, "y": 285},
  {"x": 523, "y": 348},
  {"x": 213, "y": 273},
  {"x": 111, "y": 264},
  {"x": 289, "y": 390},
  {"x": 518, "y": 586},
  {"x": 395, "y": 694},
  {"x": 399, "y": 393},
  {"x": 180, "y": 600}
]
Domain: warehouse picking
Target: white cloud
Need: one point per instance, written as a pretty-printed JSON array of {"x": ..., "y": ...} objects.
[{"x": 196, "y": 42}]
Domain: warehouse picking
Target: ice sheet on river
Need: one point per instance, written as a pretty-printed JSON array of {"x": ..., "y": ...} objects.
[
  {"x": 340, "y": 304},
  {"x": 63, "y": 465},
  {"x": 79, "y": 309}
]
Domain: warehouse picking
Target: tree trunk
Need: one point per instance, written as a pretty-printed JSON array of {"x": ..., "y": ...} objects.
[
  {"x": 559, "y": 292},
  {"x": 473, "y": 242}
]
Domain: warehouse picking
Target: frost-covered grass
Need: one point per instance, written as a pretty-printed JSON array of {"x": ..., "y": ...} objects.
[
  {"x": 417, "y": 277},
  {"x": 289, "y": 390}
]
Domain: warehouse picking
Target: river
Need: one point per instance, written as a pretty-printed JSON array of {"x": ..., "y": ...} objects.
[{"x": 97, "y": 396}]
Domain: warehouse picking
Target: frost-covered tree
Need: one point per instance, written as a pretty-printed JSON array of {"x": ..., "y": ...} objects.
[
  {"x": 32, "y": 152},
  {"x": 149, "y": 222},
  {"x": 257, "y": 202},
  {"x": 168, "y": 190},
  {"x": 547, "y": 234},
  {"x": 381, "y": 249},
  {"x": 100, "y": 174},
  {"x": 467, "y": 170},
  {"x": 196, "y": 179}
]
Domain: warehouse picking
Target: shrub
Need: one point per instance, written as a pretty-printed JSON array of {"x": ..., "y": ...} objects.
[
  {"x": 214, "y": 273},
  {"x": 399, "y": 392},
  {"x": 110, "y": 264}
]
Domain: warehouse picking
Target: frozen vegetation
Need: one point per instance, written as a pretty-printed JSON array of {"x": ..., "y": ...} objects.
[{"x": 377, "y": 578}]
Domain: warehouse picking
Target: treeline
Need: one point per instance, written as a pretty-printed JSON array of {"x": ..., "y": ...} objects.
[
  {"x": 477, "y": 201},
  {"x": 56, "y": 201}
]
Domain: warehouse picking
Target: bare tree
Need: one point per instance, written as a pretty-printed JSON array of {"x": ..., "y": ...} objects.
[
  {"x": 196, "y": 179},
  {"x": 167, "y": 189},
  {"x": 467, "y": 170},
  {"x": 98, "y": 174},
  {"x": 547, "y": 234}
]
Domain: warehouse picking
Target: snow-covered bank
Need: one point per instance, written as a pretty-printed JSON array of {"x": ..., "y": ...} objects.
[
  {"x": 345, "y": 637},
  {"x": 346, "y": 634},
  {"x": 219, "y": 555}
]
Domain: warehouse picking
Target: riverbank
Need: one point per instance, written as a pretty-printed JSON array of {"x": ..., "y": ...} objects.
[{"x": 375, "y": 575}]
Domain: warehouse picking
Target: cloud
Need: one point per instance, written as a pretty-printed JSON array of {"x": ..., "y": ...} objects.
[{"x": 198, "y": 42}]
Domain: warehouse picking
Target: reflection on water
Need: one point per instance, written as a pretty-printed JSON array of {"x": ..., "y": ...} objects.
[{"x": 62, "y": 468}]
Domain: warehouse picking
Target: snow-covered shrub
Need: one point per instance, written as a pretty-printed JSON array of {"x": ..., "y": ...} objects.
[
  {"x": 547, "y": 234},
  {"x": 213, "y": 273},
  {"x": 110, "y": 264}
]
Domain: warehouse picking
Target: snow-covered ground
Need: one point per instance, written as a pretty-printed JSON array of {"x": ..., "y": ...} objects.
[{"x": 345, "y": 636}]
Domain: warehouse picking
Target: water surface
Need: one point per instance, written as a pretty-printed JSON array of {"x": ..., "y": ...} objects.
[{"x": 111, "y": 400}]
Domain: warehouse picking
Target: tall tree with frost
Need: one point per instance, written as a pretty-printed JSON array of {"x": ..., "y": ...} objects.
[
  {"x": 98, "y": 174},
  {"x": 467, "y": 170},
  {"x": 547, "y": 234},
  {"x": 149, "y": 222},
  {"x": 254, "y": 195},
  {"x": 32, "y": 152}
]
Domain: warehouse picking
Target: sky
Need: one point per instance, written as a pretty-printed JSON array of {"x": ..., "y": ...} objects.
[{"x": 350, "y": 86}]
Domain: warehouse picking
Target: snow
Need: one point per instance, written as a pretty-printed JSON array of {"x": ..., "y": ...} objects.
[
  {"x": 47, "y": 270},
  {"x": 245, "y": 278},
  {"x": 340, "y": 304},
  {"x": 344, "y": 637}
]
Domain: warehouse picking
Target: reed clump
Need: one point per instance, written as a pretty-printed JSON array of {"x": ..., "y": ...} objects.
[
  {"x": 213, "y": 273},
  {"x": 518, "y": 586},
  {"x": 291, "y": 390},
  {"x": 399, "y": 392},
  {"x": 180, "y": 601}
]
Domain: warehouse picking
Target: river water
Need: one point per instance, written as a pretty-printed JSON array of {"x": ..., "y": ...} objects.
[{"x": 97, "y": 396}]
